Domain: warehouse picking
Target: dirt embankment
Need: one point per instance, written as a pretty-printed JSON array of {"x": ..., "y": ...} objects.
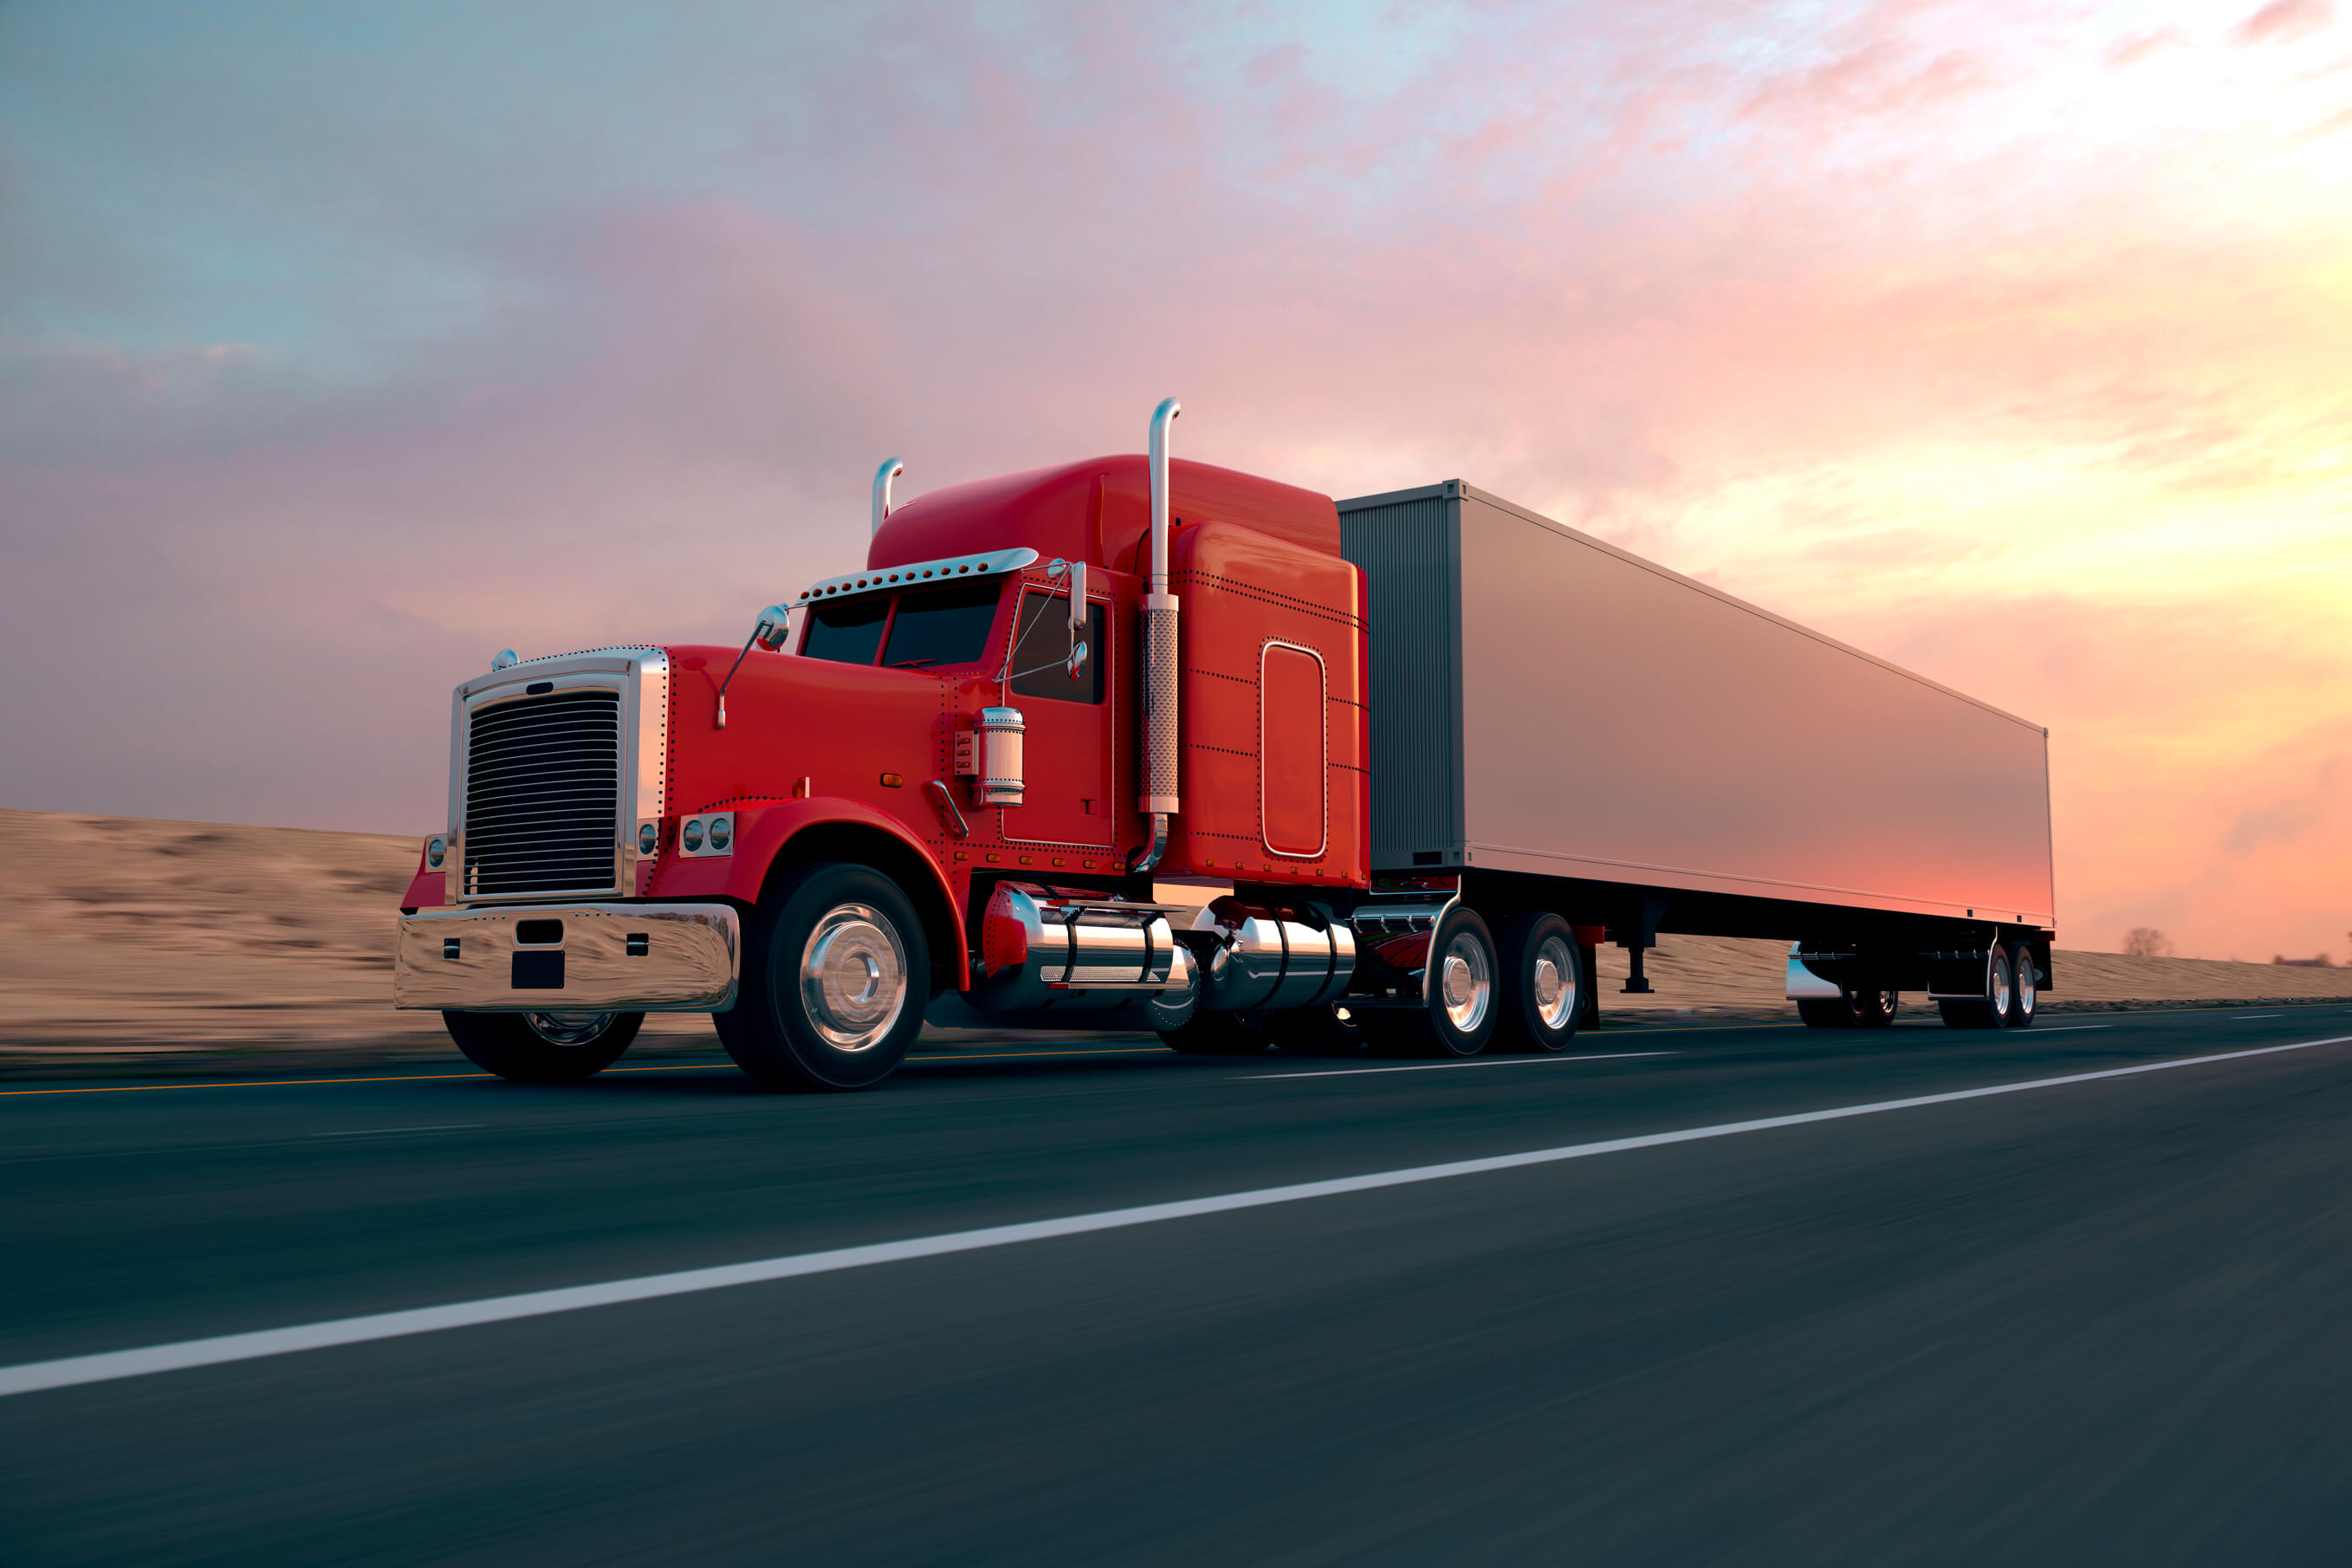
[{"x": 125, "y": 938}]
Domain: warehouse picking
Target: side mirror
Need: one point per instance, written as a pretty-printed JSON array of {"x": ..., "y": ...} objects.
[{"x": 1077, "y": 616}]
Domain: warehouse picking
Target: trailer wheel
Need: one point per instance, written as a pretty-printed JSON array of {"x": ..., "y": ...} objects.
[
  {"x": 1850, "y": 1010},
  {"x": 1463, "y": 996},
  {"x": 1223, "y": 1034},
  {"x": 544, "y": 1047},
  {"x": 2024, "y": 997},
  {"x": 1990, "y": 1011},
  {"x": 836, "y": 974},
  {"x": 1542, "y": 994}
]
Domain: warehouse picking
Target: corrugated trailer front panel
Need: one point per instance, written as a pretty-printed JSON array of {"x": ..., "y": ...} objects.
[{"x": 1623, "y": 723}]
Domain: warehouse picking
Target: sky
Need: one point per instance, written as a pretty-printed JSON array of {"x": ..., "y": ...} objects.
[{"x": 341, "y": 347}]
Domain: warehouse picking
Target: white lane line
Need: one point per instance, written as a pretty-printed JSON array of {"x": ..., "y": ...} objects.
[
  {"x": 68, "y": 1372},
  {"x": 1445, "y": 1067},
  {"x": 2247, "y": 1017},
  {"x": 2068, "y": 1029},
  {"x": 387, "y": 1131}
]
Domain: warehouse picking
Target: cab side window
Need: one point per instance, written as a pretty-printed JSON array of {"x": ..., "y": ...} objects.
[{"x": 1044, "y": 638}]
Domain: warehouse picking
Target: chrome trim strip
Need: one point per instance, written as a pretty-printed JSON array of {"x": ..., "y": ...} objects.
[
  {"x": 691, "y": 962},
  {"x": 916, "y": 573}
]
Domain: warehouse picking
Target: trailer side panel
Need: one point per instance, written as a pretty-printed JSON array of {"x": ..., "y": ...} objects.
[{"x": 1623, "y": 723}]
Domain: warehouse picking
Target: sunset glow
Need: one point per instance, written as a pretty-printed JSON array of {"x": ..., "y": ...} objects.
[{"x": 2009, "y": 343}]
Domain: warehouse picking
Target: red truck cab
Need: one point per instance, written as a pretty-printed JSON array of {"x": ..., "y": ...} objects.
[{"x": 946, "y": 789}]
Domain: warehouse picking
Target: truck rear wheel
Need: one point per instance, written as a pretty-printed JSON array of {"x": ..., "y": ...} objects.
[
  {"x": 544, "y": 1047},
  {"x": 836, "y": 971},
  {"x": 1463, "y": 1003},
  {"x": 1990, "y": 1011},
  {"x": 1542, "y": 994}
]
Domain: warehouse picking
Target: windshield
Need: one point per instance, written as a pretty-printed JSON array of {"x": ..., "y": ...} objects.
[
  {"x": 943, "y": 626},
  {"x": 846, "y": 631},
  {"x": 934, "y": 628}
]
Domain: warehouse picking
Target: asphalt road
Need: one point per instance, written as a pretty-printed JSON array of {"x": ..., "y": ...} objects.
[{"x": 2108, "y": 1321}]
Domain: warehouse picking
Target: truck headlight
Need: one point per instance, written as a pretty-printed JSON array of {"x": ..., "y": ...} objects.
[
  {"x": 648, "y": 835},
  {"x": 721, "y": 830},
  {"x": 691, "y": 835},
  {"x": 435, "y": 851}
]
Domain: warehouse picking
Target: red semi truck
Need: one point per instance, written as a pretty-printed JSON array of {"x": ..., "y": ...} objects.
[{"x": 1416, "y": 755}]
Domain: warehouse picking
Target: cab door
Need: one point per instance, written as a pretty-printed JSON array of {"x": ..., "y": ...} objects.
[{"x": 1069, "y": 754}]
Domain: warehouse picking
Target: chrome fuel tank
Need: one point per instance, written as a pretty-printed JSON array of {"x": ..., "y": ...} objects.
[
  {"x": 1040, "y": 948},
  {"x": 1259, "y": 957}
]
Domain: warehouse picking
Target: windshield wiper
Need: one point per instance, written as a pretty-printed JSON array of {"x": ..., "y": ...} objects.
[{"x": 909, "y": 663}]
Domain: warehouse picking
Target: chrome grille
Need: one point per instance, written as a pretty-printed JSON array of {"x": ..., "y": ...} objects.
[{"x": 543, "y": 795}]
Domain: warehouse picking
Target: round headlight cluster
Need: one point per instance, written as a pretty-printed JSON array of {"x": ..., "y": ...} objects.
[
  {"x": 648, "y": 835},
  {"x": 437, "y": 850},
  {"x": 709, "y": 835}
]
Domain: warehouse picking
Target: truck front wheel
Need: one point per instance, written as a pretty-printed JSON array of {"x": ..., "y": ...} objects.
[
  {"x": 544, "y": 1047},
  {"x": 1463, "y": 1001},
  {"x": 836, "y": 971}
]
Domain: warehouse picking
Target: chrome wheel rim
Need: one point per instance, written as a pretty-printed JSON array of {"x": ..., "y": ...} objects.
[
  {"x": 569, "y": 1029},
  {"x": 1555, "y": 984},
  {"x": 852, "y": 977},
  {"x": 2024, "y": 983},
  {"x": 2000, "y": 986},
  {"x": 1466, "y": 984}
]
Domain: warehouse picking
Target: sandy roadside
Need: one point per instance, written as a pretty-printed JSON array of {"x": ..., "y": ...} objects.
[{"x": 137, "y": 945}]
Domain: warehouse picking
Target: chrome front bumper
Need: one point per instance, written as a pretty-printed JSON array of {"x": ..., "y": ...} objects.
[{"x": 621, "y": 958}]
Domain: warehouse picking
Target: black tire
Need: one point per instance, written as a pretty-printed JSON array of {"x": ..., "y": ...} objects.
[
  {"x": 1223, "y": 1034},
  {"x": 1463, "y": 1009},
  {"x": 1317, "y": 1031},
  {"x": 1850, "y": 1010},
  {"x": 1542, "y": 990},
  {"x": 544, "y": 1047},
  {"x": 1988, "y": 1012},
  {"x": 836, "y": 973},
  {"x": 2024, "y": 989}
]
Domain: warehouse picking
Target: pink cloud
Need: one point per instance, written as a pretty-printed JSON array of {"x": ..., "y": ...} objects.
[
  {"x": 2284, "y": 21},
  {"x": 2132, "y": 49}
]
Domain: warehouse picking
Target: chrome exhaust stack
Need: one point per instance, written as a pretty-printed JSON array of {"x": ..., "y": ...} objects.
[
  {"x": 890, "y": 470},
  {"x": 1158, "y": 800}
]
